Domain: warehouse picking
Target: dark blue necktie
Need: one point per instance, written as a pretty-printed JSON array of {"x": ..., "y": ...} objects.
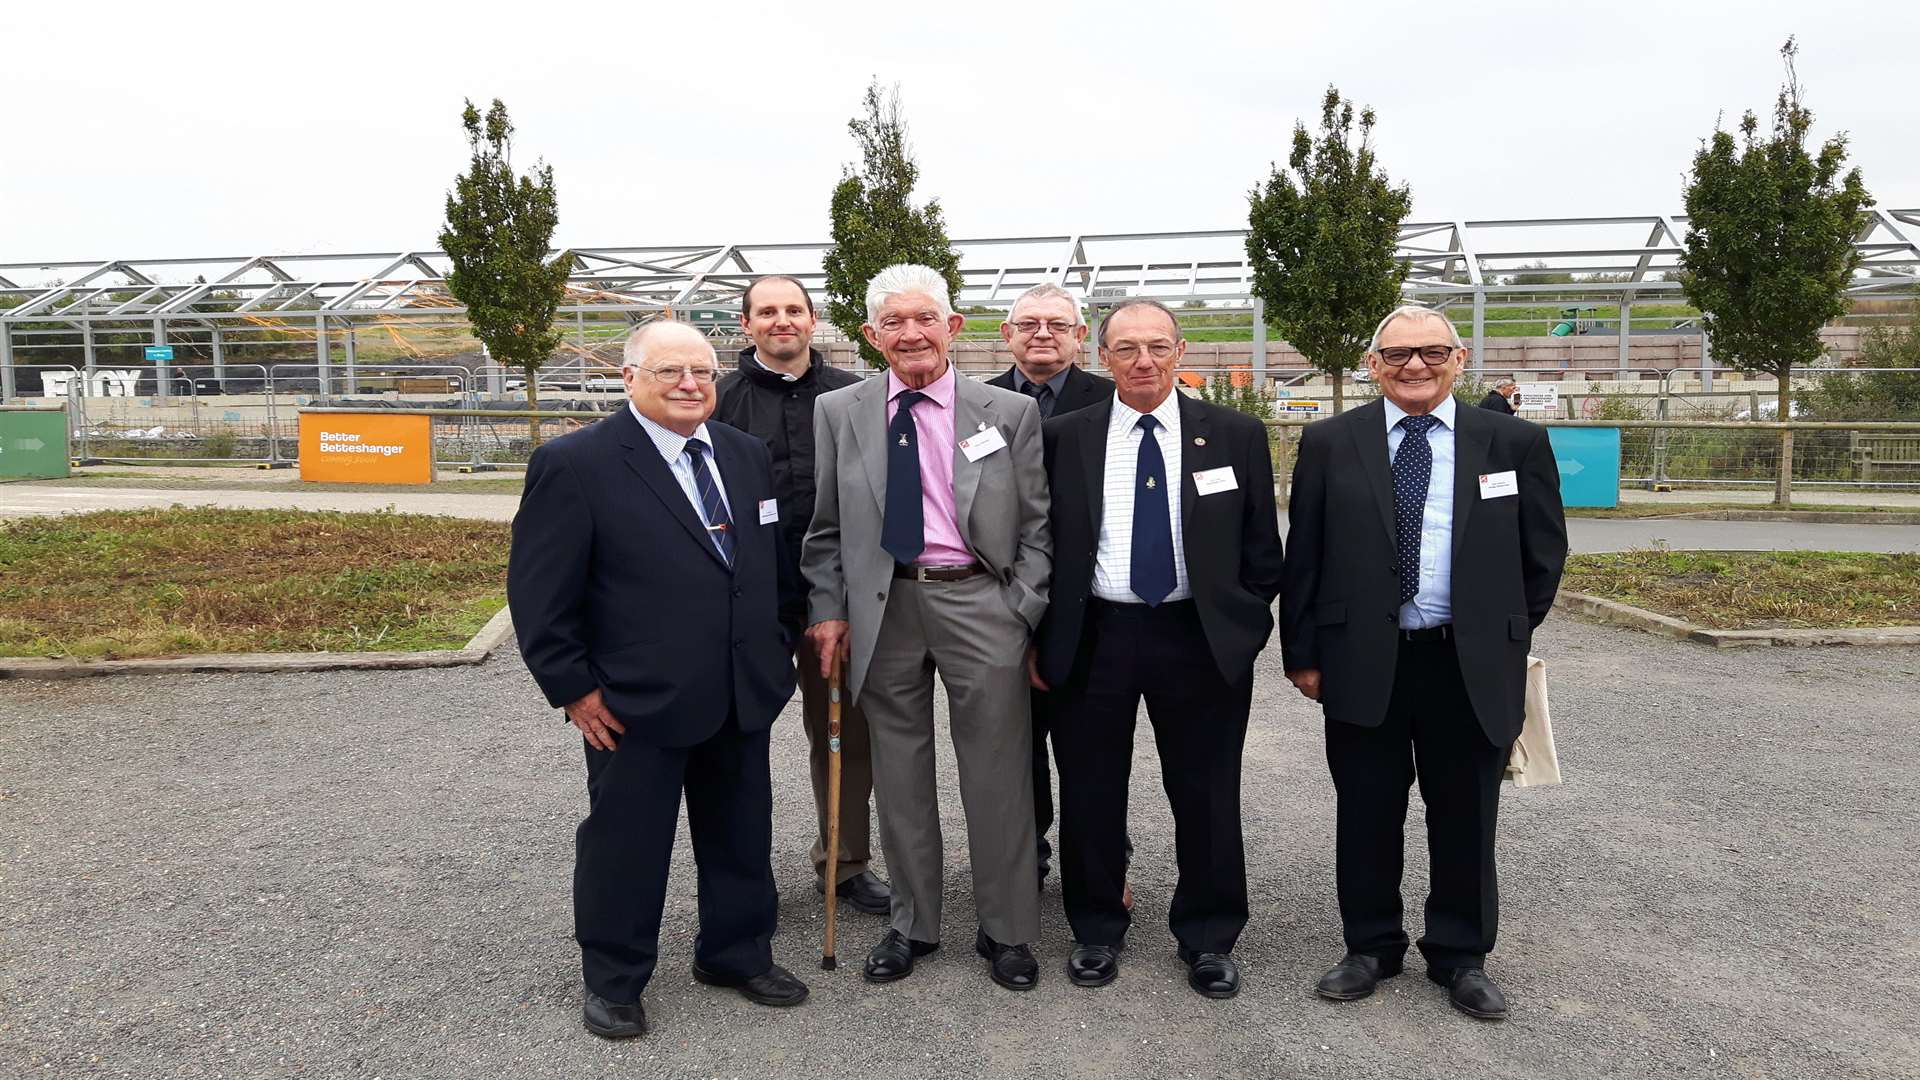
[
  {"x": 1151, "y": 571},
  {"x": 903, "y": 532},
  {"x": 719, "y": 525},
  {"x": 1412, "y": 472}
]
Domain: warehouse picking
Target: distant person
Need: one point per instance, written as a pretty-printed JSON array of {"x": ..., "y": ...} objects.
[
  {"x": 645, "y": 586},
  {"x": 1426, "y": 544},
  {"x": 1501, "y": 398},
  {"x": 770, "y": 396},
  {"x": 1045, "y": 333}
]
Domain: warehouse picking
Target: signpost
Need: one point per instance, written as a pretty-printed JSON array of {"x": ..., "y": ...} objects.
[
  {"x": 1589, "y": 460},
  {"x": 159, "y": 353},
  {"x": 1533, "y": 396},
  {"x": 377, "y": 447}
]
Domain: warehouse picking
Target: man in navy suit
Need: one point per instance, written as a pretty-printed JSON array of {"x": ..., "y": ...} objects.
[{"x": 644, "y": 580}]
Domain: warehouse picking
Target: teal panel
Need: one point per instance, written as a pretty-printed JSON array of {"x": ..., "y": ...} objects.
[
  {"x": 1589, "y": 460},
  {"x": 33, "y": 443}
]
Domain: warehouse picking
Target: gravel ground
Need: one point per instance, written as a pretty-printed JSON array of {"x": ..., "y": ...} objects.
[{"x": 366, "y": 874}]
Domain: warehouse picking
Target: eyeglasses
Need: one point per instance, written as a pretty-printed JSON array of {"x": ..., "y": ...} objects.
[
  {"x": 1432, "y": 354},
  {"x": 672, "y": 375},
  {"x": 1129, "y": 353},
  {"x": 893, "y": 324},
  {"x": 1030, "y": 327}
]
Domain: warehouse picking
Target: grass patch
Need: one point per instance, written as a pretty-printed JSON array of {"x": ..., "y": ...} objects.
[
  {"x": 1760, "y": 590},
  {"x": 135, "y": 583}
]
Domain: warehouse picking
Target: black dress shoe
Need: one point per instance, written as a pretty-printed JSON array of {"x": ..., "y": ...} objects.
[
  {"x": 1471, "y": 991},
  {"x": 1093, "y": 965},
  {"x": 1355, "y": 976},
  {"x": 893, "y": 957},
  {"x": 1211, "y": 974},
  {"x": 1012, "y": 966},
  {"x": 775, "y": 986},
  {"x": 862, "y": 892},
  {"x": 613, "y": 1021}
]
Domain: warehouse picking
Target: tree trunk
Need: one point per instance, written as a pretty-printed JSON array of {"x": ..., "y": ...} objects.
[
  {"x": 533, "y": 406},
  {"x": 1783, "y": 484},
  {"x": 1339, "y": 392}
]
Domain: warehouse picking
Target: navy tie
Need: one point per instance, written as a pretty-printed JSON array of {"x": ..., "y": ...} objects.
[
  {"x": 1151, "y": 571},
  {"x": 1412, "y": 472},
  {"x": 719, "y": 525},
  {"x": 903, "y": 532}
]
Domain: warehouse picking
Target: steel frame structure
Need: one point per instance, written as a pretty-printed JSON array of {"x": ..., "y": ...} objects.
[{"x": 1451, "y": 263}]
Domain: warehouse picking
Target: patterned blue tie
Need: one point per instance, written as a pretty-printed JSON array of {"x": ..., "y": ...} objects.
[
  {"x": 903, "y": 532},
  {"x": 719, "y": 525},
  {"x": 1151, "y": 571},
  {"x": 1412, "y": 472}
]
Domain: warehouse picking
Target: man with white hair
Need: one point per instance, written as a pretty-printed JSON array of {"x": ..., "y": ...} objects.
[
  {"x": 645, "y": 581},
  {"x": 1426, "y": 544},
  {"x": 928, "y": 551}
]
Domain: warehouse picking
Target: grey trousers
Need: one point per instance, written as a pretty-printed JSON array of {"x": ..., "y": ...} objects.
[{"x": 966, "y": 632}]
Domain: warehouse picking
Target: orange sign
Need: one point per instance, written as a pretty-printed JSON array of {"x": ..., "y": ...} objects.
[{"x": 366, "y": 448}]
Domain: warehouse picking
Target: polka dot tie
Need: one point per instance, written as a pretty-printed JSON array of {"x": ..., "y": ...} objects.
[{"x": 1412, "y": 471}]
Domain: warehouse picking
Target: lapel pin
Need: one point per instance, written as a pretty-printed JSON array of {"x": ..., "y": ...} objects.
[
  {"x": 903, "y": 440},
  {"x": 1198, "y": 441},
  {"x": 982, "y": 427}
]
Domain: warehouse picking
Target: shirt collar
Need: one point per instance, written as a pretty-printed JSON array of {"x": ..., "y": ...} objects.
[
  {"x": 762, "y": 364},
  {"x": 1167, "y": 413},
  {"x": 939, "y": 391},
  {"x": 671, "y": 444},
  {"x": 1058, "y": 382},
  {"x": 1443, "y": 413}
]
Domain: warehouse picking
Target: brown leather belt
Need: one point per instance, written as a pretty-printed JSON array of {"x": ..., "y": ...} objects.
[{"x": 903, "y": 572}]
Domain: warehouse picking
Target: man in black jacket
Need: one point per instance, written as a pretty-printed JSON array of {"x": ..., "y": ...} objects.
[
  {"x": 1426, "y": 544},
  {"x": 1045, "y": 333},
  {"x": 771, "y": 396},
  {"x": 644, "y": 578},
  {"x": 1167, "y": 560},
  {"x": 1500, "y": 398}
]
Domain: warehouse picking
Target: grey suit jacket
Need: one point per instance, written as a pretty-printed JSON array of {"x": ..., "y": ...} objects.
[{"x": 1000, "y": 501}]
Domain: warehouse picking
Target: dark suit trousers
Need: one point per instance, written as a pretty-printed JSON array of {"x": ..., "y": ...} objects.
[
  {"x": 623, "y": 849},
  {"x": 1432, "y": 733},
  {"x": 1042, "y": 709},
  {"x": 1129, "y": 652}
]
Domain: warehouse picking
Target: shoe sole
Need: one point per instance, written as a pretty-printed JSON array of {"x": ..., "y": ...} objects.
[
  {"x": 878, "y": 979},
  {"x": 1217, "y": 995},
  {"x": 1367, "y": 993},
  {"x": 708, "y": 978},
  {"x": 614, "y": 1033},
  {"x": 1099, "y": 980}
]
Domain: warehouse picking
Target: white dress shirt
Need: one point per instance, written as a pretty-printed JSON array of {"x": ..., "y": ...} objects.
[
  {"x": 1113, "y": 560},
  {"x": 1432, "y": 604},
  {"x": 673, "y": 450}
]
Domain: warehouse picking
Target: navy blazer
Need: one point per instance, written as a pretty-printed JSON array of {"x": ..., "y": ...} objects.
[{"x": 614, "y": 584}]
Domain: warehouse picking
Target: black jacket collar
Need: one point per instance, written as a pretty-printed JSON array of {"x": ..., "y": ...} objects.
[{"x": 759, "y": 375}]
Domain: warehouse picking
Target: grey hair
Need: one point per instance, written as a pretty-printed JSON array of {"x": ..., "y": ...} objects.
[
  {"x": 634, "y": 353},
  {"x": 1046, "y": 290},
  {"x": 907, "y": 278},
  {"x": 1178, "y": 334},
  {"x": 1414, "y": 311}
]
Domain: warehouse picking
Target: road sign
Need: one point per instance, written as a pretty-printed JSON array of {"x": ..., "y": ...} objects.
[
  {"x": 1300, "y": 408},
  {"x": 1537, "y": 396},
  {"x": 1589, "y": 460},
  {"x": 33, "y": 443},
  {"x": 159, "y": 352}
]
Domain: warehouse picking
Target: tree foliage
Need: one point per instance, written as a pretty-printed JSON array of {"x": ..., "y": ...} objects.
[
  {"x": 1870, "y": 394},
  {"x": 875, "y": 223},
  {"x": 1321, "y": 238},
  {"x": 498, "y": 229},
  {"x": 1770, "y": 247}
]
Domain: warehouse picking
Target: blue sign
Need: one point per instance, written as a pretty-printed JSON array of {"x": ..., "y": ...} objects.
[
  {"x": 159, "y": 352},
  {"x": 1589, "y": 460}
]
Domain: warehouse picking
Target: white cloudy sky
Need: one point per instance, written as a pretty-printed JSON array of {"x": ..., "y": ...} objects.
[{"x": 146, "y": 130}]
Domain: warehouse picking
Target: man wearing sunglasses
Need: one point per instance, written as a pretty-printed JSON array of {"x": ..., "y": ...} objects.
[
  {"x": 1425, "y": 546},
  {"x": 1045, "y": 333},
  {"x": 645, "y": 581}
]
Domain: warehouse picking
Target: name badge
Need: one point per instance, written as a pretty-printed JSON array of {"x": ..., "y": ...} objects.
[
  {"x": 769, "y": 511},
  {"x": 1499, "y": 485},
  {"x": 1215, "y": 481},
  {"x": 983, "y": 442}
]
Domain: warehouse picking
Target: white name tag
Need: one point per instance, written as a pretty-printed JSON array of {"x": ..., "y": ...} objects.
[
  {"x": 769, "y": 511},
  {"x": 1215, "y": 481},
  {"x": 1498, "y": 485},
  {"x": 982, "y": 442}
]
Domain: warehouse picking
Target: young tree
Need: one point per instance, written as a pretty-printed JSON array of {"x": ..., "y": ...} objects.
[
  {"x": 875, "y": 223},
  {"x": 1321, "y": 236},
  {"x": 498, "y": 229},
  {"x": 1770, "y": 247}
]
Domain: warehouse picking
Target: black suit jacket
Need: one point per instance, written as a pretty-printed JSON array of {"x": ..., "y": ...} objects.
[
  {"x": 614, "y": 584},
  {"x": 1340, "y": 608},
  {"x": 1083, "y": 388},
  {"x": 1231, "y": 538},
  {"x": 1495, "y": 401}
]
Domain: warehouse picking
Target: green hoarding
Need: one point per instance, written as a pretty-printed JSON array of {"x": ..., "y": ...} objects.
[{"x": 33, "y": 443}]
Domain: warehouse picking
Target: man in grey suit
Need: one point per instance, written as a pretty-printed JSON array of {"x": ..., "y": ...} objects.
[{"x": 929, "y": 551}]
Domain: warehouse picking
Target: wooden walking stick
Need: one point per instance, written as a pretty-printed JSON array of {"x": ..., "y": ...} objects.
[{"x": 827, "y": 959}]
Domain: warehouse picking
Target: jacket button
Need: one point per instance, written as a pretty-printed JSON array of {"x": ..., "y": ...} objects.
[
  {"x": 737, "y": 642},
  {"x": 882, "y": 597},
  {"x": 1393, "y": 616},
  {"x": 1393, "y": 570},
  {"x": 736, "y": 590}
]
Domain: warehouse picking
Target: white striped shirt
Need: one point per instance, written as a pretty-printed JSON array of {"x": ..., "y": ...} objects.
[
  {"x": 673, "y": 450},
  {"x": 1113, "y": 561}
]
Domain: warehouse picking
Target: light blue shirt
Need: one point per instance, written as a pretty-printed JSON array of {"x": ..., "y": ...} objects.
[
  {"x": 1432, "y": 603},
  {"x": 673, "y": 450}
]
